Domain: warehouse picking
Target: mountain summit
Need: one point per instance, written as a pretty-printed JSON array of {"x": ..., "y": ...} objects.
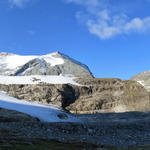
[{"x": 51, "y": 64}]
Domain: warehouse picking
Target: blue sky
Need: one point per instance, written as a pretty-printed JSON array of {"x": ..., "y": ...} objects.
[{"x": 112, "y": 37}]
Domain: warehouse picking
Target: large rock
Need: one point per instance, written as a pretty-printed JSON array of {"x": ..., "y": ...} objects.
[
  {"x": 95, "y": 95},
  {"x": 50, "y": 64}
]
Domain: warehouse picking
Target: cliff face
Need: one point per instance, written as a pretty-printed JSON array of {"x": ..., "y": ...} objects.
[
  {"x": 112, "y": 95},
  {"x": 95, "y": 95}
]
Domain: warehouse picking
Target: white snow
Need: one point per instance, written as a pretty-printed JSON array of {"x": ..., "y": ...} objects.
[
  {"x": 46, "y": 113},
  {"x": 141, "y": 82},
  {"x": 11, "y": 63},
  {"x": 52, "y": 59},
  {"x": 36, "y": 79},
  {"x": 14, "y": 61}
]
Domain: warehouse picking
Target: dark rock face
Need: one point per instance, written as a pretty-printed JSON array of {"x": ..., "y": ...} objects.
[{"x": 96, "y": 95}]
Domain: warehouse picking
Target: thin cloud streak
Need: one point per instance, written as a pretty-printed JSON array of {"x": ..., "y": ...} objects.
[{"x": 18, "y": 3}]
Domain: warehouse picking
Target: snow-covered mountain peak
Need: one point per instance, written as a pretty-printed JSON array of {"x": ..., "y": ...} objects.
[
  {"x": 55, "y": 63},
  {"x": 12, "y": 61}
]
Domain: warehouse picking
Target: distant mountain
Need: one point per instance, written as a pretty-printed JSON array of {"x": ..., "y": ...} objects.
[
  {"x": 51, "y": 64},
  {"x": 144, "y": 79}
]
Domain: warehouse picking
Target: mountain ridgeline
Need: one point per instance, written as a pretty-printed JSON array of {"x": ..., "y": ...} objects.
[{"x": 51, "y": 64}]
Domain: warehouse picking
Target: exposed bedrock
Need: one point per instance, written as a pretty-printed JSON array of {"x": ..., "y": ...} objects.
[{"x": 95, "y": 95}]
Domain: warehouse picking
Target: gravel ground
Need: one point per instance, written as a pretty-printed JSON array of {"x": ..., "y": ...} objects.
[
  {"x": 121, "y": 130},
  {"x": 107, "y": 130}
]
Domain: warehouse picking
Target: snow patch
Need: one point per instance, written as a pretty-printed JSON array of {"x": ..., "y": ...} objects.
[
  {"x": 45, "y": 112},
  {"x": 37, "y": 79},
  {"x": 141, "y": 82},
  {"x": 53, "y": 59},
  {"x": 14, "y": 61}
]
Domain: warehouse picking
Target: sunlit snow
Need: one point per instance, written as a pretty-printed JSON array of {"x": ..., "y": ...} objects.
[
  {"x": 35, "y": 79},
  {"x": 13, "y": 61},
  {"x": 46, "y": 113}
]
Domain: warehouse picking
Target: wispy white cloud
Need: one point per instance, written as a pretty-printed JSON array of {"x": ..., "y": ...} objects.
[
  {"x": 106, "y": 23},
  {"x": 18, "y": 3},
  {"x": 106, "y": 26}
]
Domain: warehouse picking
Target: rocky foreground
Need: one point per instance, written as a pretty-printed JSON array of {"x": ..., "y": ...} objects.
[
  {"x": 19, "y": 131},
  {"x": 108, "y": 131}
]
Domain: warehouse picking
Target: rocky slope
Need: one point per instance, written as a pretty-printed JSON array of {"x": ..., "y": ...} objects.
[
  {"x": 21, "y": 132},
  {"x": 50, "y": 64},
  {"x": 110, "y": 131},
  {"x": 144, "y": 79},
  {"x": 96, "y": 95}
]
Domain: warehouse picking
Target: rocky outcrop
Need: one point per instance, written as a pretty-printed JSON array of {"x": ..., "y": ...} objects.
[
  {"x": 112, "y": 95},
  {"x": 95, "y": 95},
  {"x": 61, "y": 95}
]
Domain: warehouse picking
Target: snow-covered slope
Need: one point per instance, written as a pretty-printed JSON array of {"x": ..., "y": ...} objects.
[
  {"x": 46, "y": 113},
  {"x": 12, "y": 61},
  {"x": 37, "y": 80},
  {"x": 51, "y": 64}
]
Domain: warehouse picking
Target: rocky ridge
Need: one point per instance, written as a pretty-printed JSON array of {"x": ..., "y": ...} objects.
[{"x": 95, "y": 95}]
